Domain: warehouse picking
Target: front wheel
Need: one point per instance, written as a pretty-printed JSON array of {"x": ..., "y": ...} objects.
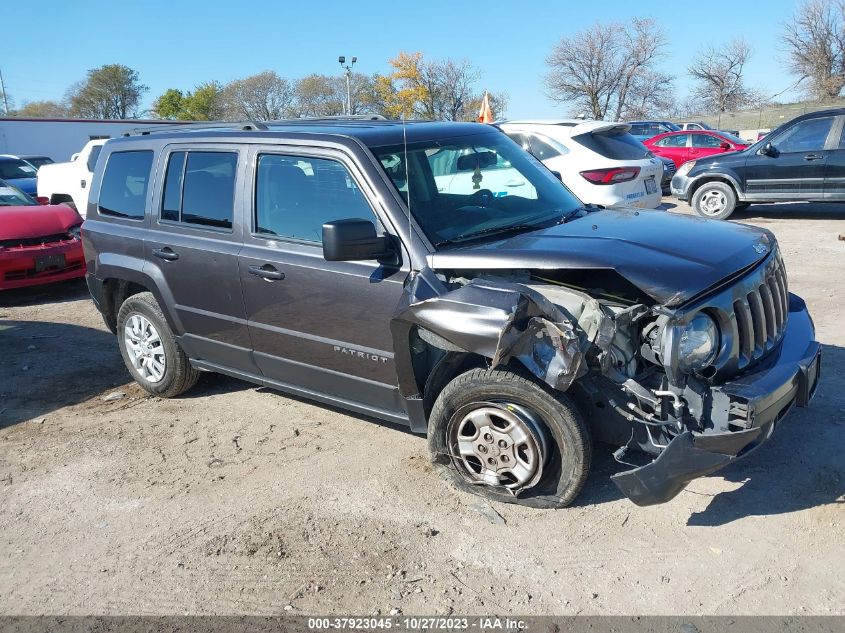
[
  {"x": 503, "y": 436},
  {"x": 714, "y": 200}
]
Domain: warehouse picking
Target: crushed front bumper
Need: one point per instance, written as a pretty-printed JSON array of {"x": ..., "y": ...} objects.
[{"x": 765, "y": 394}]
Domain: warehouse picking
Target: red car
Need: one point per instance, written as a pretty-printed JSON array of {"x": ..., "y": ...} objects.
[
  {"x": 691, "y": 144},
  {"x": 39, "y": 243}
]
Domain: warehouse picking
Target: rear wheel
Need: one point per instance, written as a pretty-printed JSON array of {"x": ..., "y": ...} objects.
[
  {"x": 503, "y": 436},
  {"x": 149, "y": 349},
  {"x": 714, "y": 200}
]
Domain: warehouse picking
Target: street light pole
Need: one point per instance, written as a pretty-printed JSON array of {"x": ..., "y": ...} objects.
[{"x": 348, "y": 70}]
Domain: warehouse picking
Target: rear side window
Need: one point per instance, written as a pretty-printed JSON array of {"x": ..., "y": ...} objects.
[
  {"x": 615, "y": 145},
  {"x": 199, "y": 188},
  {"x": 296, "y": 195},
  {"x": 676, "y": 140},
  {"x": 123, "y": 191},
  {"x": 541, "y": 149},
  {"x": 93, "y": 156}
]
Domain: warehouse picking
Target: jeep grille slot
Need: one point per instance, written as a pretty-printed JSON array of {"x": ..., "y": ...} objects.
[{"x": 761, "y": 314}]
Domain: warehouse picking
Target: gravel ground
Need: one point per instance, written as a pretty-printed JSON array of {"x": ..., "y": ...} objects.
[{"x": 239, "y": 500}]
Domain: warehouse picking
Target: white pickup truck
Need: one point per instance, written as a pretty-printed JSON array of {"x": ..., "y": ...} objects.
[{"x": 69, "y": 182}]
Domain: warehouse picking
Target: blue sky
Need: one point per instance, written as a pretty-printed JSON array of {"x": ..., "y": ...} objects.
[{"x": 183, "y": 42}]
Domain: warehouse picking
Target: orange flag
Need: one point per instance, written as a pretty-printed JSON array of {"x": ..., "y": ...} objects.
[{"x": 485, "y": 115}]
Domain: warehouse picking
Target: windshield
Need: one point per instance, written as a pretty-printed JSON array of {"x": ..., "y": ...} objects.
[
  {"x": 15, "y": 168},
  {"x": 471, "y": 187},
  {"x": 13, "y": 197},
  {"x": 730, "y": 138}
]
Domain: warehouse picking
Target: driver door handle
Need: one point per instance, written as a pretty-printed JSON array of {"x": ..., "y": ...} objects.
[
  {"x": 166, "y": 254},
  {"x": 267, "y": 272},
  {"x": 813, "y": 157}
]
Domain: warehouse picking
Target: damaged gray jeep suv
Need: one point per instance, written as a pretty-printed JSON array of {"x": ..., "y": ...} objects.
[{"x": 437, "y": 276}]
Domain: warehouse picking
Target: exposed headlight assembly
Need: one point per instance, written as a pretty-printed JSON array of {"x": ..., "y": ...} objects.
[
  {"x": 698, "y": 343},
  {"x": 685, "y": 168}
]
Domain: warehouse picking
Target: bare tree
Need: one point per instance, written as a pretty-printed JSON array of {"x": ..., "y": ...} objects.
[
  {"x": 717, "y": 71},
  {"x": 263, "y": 97},
  {"x": 600, "y": 70},
  {"x": 43, "y": 109},
  {"x": 815, "y": 44}
]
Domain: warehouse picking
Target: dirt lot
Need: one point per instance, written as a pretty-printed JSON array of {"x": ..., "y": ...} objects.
[{"x": 237, "y": 499}]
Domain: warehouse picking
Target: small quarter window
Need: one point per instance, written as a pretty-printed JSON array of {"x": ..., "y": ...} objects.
[
  {"x": 172, "y": 199},
  {"x": 123, "y": 192}
]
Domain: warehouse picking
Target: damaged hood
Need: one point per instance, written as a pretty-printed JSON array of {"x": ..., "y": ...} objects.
[{"x": 670, "y": 257}]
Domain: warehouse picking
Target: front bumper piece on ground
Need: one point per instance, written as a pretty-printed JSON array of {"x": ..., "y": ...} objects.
[{"x": 789, "y": 378}]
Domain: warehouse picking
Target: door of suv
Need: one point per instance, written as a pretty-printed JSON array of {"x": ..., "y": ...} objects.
[
  {"x": 796, "y": 168},
  {"x": 193, "y": 247},
  {"x": 317, "y": 326}
]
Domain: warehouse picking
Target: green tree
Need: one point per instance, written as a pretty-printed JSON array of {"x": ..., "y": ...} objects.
[
  {"x": 112, "y": 91},
  {"x": 170, "y": 105}
]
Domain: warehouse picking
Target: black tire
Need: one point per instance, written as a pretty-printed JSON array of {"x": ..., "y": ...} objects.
[
  {"x": 742, "y": 206},
  {"x": 567, "y": 438},
  {"x": 179, "y": 375},
  {"x": 714, "y": 200}
]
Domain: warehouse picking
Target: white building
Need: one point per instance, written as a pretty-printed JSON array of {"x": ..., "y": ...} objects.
[{"x": 60, "y": 138}]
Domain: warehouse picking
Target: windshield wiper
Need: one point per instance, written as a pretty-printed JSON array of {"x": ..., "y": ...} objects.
[{"x": 493, "y": 230}]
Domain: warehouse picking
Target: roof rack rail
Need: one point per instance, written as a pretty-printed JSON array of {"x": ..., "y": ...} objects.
[
  {"x": 202, "y": 125},
  {"x": 338, "y": 117},
  {"x": 246, "y": 125}
]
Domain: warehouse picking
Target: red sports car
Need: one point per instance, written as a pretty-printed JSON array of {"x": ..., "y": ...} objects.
[
  {"x": 39, "y": 243},
  {"x": 691, "y": 144}
]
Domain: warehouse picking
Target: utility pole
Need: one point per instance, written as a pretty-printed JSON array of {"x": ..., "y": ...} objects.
[
  {"x": 348, "y": 70},
  {"x": 3, "y": 90}
]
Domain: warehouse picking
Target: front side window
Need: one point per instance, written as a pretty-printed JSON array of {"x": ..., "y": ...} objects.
[
  {"x": 477, "y": 202},
  {"x": 296, "y": 195},
  {"x": 706, "y": 141},
  {"x": 199, "y": 188},
  {"x": 123, "y": 191},
  {"x": 806, "y": 136}
]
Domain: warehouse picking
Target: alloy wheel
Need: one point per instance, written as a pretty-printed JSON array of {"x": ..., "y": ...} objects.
[{"x": 144, "y": 348}]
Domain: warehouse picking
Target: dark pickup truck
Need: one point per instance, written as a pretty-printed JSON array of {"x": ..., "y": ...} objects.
[{"x": 438, "y": 276}]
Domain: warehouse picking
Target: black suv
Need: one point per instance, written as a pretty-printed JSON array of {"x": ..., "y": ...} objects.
[
  {"x": 801, "y": 161},
  {"x": 438, "y": 276}
]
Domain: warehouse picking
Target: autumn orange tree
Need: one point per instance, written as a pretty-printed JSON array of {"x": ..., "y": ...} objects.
[{"x": 431, "y": 89}]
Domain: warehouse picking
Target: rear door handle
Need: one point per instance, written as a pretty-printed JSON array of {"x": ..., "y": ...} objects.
[
  {"x": 813, "y": 157},
  {"x": 266, "y": 272},
  {"x": 166, "y": 254}
]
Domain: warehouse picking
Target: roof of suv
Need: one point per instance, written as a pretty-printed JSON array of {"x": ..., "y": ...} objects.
[{"x": 371, "y": 133}]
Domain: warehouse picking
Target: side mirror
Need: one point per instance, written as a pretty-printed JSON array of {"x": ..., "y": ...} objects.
[
  {"x": 725, "y": 145},
  {"x": 354, "y": 240},
  {"x": 74, "y": 157},
  {"x": 768, "y": 150}
]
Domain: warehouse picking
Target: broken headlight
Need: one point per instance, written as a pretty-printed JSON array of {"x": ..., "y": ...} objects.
[{"x": 698, "y": 343}]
